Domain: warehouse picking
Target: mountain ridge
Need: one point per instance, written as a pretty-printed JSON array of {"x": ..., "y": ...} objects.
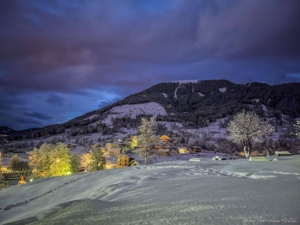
[{"x": 192, "y": 103}]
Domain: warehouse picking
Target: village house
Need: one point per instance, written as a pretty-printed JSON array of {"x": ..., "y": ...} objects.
[
  {"x": 133, "y": 163},
  {"x": 123, "y": 160},
  {"x": 115, "y": 151}
]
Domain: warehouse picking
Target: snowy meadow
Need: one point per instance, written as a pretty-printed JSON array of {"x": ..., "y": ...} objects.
[{"x": 177, "y": 192}]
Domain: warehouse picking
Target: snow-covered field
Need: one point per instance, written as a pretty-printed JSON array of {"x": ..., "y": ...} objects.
[{"x": 177, "y": 192}]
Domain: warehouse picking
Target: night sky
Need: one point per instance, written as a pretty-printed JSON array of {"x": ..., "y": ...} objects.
[{"x": 60, "y": 58}]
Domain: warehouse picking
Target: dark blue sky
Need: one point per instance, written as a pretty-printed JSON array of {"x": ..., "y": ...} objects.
[{"x": 61, "y": 59}]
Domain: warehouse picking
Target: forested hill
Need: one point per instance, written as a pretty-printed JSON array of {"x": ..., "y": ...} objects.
[{"x": 191, "y": 103}]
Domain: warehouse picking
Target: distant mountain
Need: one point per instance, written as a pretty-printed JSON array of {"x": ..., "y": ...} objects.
[
  {"x": 6, "y": 130},
  {"x": 184, "y": 104}
]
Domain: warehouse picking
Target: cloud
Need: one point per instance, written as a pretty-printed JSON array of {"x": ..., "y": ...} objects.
[
  {"x": 37, "y": 115},
  {"x": 22, "y": 110},
  {"x": 55, "y": 99},
  {"x": 58, "y": 49}
]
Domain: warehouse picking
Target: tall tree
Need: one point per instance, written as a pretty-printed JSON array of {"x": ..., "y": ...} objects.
[
  {"x": 147, "y": 138},
  {"x": 247, "y": 128},
  {"x": 98, "y": 160}
]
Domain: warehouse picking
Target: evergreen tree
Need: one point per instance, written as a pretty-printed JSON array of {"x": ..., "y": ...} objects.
[
  {"x": 147, "y": 138},
  {"x": 98, "y": 160}
]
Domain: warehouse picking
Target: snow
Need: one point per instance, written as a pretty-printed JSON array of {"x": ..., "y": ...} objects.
[
  {"x": 255, "y": 100},
  {"x": 200, "y": 94},
  {"x": 170, "y": 125},
  {"x": 264, "y": 107},
  {"x": 178, "y": 192},
  {"x": 90, "y": 117},
  {"x": 175, "y": 92},
  {"x": 134, "y": 110},
  {"x": 185, "y": 81},
  {"x": 223, "y": 90},
  {"x": 165, "y": 95}
]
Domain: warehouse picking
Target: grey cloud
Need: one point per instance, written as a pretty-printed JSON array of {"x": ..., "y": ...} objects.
[
  {"x": 65, "y": 47},
  {"x": 55, "y": 99},
  {"x": 37, "y": 115},
  {"x": 69, "y": 48}
]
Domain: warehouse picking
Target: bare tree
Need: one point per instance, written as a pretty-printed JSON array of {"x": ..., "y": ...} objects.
[
  {"x": 247, "y": 128},
  {"x": 147, "y": 138}
]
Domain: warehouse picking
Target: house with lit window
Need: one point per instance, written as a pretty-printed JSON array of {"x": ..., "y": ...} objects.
[
  {"x": 115, "y": 151},
  {"x": 123, "y": 160},
  {"x": 133, "y": 163}
]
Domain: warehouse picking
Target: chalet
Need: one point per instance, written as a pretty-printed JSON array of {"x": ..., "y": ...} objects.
[
  {"x": 123, "y": 160},
  {"x": 115, "y": 151},
  {"x": 134, "y": 163}
]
